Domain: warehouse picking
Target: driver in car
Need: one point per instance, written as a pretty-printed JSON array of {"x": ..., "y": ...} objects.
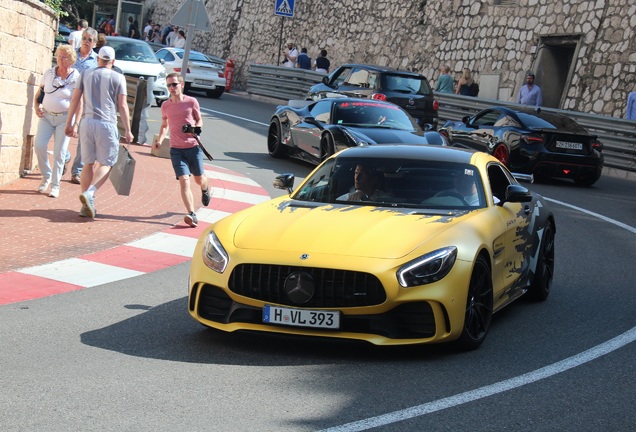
[{"x": 367, "y": 183}]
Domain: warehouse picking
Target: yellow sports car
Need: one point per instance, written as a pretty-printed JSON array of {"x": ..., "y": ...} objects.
[{"x": 391, "y": 244}]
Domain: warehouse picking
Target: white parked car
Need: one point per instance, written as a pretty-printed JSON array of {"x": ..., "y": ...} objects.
[
  {"x": 202, "y": 74},
  {"x": 135, "y": 58}
]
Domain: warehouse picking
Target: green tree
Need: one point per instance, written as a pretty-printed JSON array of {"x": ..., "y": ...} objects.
[{"x": 72, "y": 10}]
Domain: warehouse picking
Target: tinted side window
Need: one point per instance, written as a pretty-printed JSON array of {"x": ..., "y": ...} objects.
[
  {"x": 359, "y": 78},
  {"x": 339, "y": 76},
  {"x": 321, "y": 111},
  {"x": 488, "y": 118}
]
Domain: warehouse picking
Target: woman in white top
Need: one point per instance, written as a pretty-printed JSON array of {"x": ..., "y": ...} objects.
[
  {"x": 180, "y": 41},
  {"x": 57, "y": 84}
]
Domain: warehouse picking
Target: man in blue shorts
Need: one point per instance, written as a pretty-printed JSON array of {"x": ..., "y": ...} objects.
[
  {"x": 185, "y": 153},
  {"x": 102, "y": 92}
]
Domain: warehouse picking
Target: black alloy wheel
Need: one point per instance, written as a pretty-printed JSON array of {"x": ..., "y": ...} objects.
[
  {"x": 544, "y": 273},
  {"x": 326, "y": 147},
  {"x": 478, "y": 307},
  {"x": 275, "y": 146}
]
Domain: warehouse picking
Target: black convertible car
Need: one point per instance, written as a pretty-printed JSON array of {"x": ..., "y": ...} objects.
[
  {"x": 533, "y": 141},
  {"x": 313, "y": 131}
]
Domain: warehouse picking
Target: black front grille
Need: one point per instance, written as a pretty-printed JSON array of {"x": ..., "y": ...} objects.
[
  {"x": 333, "y": 288},
  {"x": 406, "y": 321}
]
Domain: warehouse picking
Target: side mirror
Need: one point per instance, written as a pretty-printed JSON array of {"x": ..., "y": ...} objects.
[
  {"x": 325, "y": 80},
  {"x": 313, "y": 121},
  {"x": 465, "y": 119},
  {"x": 285, "y": 182},
  {"x": 517, "y": 193}
]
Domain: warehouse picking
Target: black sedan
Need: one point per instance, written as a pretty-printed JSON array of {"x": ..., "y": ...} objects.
[
  {"x": 313, "y": 131},
  {"x": 532, "y": 141}
]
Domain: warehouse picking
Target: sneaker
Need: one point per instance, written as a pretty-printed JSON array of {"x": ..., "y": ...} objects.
[
  {"x": 205, "y": 197},
  {"x": 89, "y": 204},
  {"x": 191, "y": 219},
  {"x": 55, "y": 192},
  {"x": 82, "y": 212},
  {"x": 44, "y": 185},
  {"x": 75, "y": 178}
]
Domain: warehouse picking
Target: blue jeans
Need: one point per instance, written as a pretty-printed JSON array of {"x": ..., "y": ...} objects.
[{"x": 48, "y": 126}]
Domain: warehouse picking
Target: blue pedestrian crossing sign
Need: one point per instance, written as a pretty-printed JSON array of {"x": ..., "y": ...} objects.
[{"x": 284, "y": 8}]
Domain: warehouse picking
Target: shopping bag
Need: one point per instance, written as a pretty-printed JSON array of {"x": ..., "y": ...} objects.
[{"x": 121, "y": 175}]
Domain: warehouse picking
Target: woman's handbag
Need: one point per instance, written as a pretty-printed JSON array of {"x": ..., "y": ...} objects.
[
  {"x": 121, "y": 175},
  {"x": 40, "y": 97}
]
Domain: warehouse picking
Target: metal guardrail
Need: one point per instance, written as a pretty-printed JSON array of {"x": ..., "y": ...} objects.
[
  {"x": 618, "y": 135},
  {"x": 281, "y": 82}
]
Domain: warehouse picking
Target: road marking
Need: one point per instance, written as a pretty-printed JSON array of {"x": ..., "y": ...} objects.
[
  {"x": 489, "y": 390},
  {"x": 233, "y": 116},
  {"x": 502, "y": 386},
  {"x": 596, "y": 215}
]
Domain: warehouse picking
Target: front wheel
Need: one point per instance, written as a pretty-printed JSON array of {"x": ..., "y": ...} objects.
[
  {"x": 275, "y": 145},
  {"x": 501, "y": 153},
  {"x": 542, "y": 281},
  {"x": 326, "y": 147},
  {"x": 478, "y": 307}
]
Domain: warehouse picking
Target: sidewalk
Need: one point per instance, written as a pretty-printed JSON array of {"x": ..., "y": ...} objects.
[{"x": 42, "y": 236}]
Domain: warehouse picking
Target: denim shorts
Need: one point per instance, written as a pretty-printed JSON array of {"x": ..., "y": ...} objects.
[{"x": 187, "y": 161}]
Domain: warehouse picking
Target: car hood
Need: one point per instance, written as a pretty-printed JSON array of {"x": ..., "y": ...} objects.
[
  {"x": 139, "y": 68},
  {"x": 388, "y": 136},
  {"x": 361, "y": 231}
]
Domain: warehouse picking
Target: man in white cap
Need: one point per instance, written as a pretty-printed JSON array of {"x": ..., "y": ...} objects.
[
  {"x": 98, "y": 95},
  {"x": 291, "y": 54}
]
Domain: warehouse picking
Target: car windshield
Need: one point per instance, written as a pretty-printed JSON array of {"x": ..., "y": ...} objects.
[
  {"x": 402, "y": 183},
  {"x": 128, "y": 50},
  {"x": 405, "y": 84},
  {"x": 371, "y": 114},
  {"x": 194, "y": 56}
]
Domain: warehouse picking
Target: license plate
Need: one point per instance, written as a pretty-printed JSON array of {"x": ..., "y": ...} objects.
[
  {"x": 301, "y": 317},
  {"x": 204, "y": 82},
  {"x": 569, "y": 145}
]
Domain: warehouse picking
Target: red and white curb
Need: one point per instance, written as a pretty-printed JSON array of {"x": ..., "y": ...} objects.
[{"x": 231, "y": 192}]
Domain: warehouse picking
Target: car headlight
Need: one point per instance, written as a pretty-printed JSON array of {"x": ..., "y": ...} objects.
[
  {"x": 214, "y": 255},
  {"x": 428, "y": 268}
]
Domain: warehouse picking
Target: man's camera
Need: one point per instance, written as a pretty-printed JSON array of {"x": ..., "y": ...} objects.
[{"x": 188, "y": 128}]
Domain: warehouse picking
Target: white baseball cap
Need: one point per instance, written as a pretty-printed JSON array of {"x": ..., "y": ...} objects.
[{"x": 106, "y": 53}]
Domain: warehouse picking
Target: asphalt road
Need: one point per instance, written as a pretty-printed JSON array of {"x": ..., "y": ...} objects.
[{"x": 127, "y": 356}]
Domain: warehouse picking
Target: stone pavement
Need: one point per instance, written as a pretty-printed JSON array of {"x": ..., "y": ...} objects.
[{"x": 47, "y": 248}]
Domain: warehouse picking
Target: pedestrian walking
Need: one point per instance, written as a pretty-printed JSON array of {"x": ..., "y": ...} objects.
[
  {"x": 86, "y": 59},
  {"x": 56, "y": 87},
  {"x": 75, "y": 38},
  {"x": 303, "y": 61},
  {"x": 186, "y": 155},
  {"x": 102, "y": 92},
  {"x": 291, "y": 54}
]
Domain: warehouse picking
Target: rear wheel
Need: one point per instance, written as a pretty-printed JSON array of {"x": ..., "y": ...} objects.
[
  {"x": 542, "y": 281},
  {"x": 326, "y": 147},
  {"x": 501, "y": 153},
  {"x": 275, "y": 146},
  {"x": 478, "y": 307},
  {"x": 216, "y": 93}
]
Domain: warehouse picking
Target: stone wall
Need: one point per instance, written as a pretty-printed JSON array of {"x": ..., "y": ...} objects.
[
  {"x": 26, "y": 42},
  {"x": 499, "y": 40}
]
